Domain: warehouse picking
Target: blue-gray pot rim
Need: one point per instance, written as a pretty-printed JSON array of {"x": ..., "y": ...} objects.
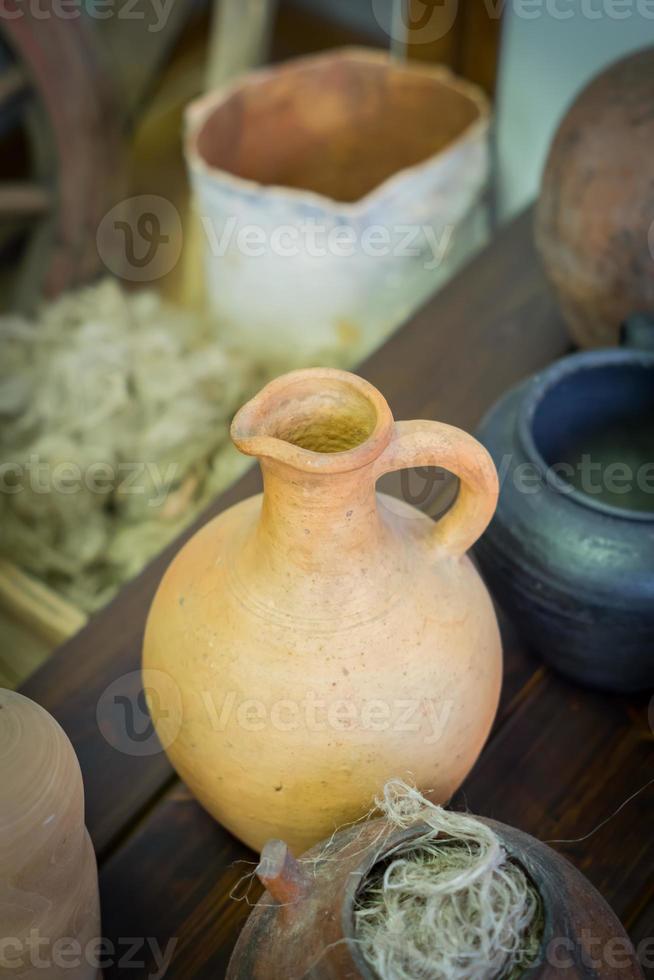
[{"x": 541, "y": 385}]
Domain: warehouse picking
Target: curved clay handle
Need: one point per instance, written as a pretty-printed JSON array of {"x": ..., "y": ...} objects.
[{"x": 424, "y": 443}]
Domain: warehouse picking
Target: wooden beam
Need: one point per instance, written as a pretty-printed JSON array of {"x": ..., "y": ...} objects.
[{"x": 24, "y": 199}]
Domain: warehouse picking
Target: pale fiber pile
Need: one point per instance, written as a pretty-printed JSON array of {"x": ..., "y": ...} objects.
[
  {"x": 449, "y": 906},
  {"x": 114, "y": 414}
]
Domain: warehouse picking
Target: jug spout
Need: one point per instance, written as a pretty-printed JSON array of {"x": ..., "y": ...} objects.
[{"x": 318, "y": 420}]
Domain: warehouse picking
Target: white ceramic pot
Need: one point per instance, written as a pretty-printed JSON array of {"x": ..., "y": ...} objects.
[{"x": 330, "y": 191}]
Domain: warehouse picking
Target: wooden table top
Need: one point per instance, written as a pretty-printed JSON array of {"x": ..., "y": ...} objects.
[{"x": 560, "y": 761}]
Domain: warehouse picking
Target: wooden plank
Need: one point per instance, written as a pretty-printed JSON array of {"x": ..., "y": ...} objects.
[
  {"x": 173, "y": 881},
  {"x": 528, "y": 776},
  {"x": 642, "y": 934},
  {"x": 31, "y": 602},
  {"x": 432, "y": 31},
  {"x": 239, "y": 38},
  {"x": 565, "y": 768},
  {"x": 479, "y": 52},
  {"x": 462, "y": 34},
  {"x": 300, "y": 30},
  {"x": 523, "y": 673},
  {"x": 492, "y": 325},
  {"x": 136, "y": 52},
  {"x": 26, "y": 200},
  {"x": 22, "y": 651},
  {"x": 562, "y": 763},
  {"x": 203, "y": 865},
  {"x": 13, "y": 82}
]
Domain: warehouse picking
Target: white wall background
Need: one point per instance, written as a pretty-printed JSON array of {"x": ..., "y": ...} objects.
[
  {"x": 547, "y": 56},
  {"x": 550, "y": 49}
]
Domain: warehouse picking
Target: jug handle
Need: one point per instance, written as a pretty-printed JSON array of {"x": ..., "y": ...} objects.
[{"x": 426, "y": 443}]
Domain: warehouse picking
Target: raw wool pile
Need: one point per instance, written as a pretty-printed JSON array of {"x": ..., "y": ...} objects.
[
  {"x": 449, "y": 906},
  {"x": 114, "y": 414}
]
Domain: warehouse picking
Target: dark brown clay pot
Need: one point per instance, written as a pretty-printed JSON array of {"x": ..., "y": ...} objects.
[
  {"x": 594, "y": 220},
  {"x": 303, "y": 926}
]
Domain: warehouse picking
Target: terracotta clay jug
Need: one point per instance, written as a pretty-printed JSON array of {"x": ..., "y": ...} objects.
[
  {"x": 49, "y": 902},
  {"x": 313, "y": 641}
]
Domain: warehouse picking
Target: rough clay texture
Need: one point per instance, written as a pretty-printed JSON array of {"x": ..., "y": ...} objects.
[{"x": 319, "y": 639}]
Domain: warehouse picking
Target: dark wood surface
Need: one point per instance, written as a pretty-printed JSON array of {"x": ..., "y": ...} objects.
[{"x": 560, "y": 762}]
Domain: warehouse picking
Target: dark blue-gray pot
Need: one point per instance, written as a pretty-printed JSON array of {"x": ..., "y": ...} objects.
[{"x": 570, "y": 552}]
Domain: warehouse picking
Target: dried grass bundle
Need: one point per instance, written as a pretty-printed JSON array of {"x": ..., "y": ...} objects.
[
  {"x": 114, "y": 413},
  {"x": 449, "y": 906}
]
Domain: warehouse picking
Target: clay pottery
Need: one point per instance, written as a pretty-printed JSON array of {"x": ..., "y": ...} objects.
[
  {"x": 315, "y": 182},
  {"x": 570, "y": 552},
  {"x": 303, "y": 926},
  {"x": 595, "y": 214},
  {"x": 314, "y": 640},
  {"x": 48, "y": 876}
]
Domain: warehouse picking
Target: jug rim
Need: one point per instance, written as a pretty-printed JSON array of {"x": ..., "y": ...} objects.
[{"x": 249, "y": 435}]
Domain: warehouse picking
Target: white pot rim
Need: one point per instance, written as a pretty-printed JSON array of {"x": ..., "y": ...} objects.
[{"x": 199, "y": 110}]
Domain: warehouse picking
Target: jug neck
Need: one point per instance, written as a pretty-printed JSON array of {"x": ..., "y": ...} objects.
[
  {"x": 318, "y": 521},
  {"x": 317, "y": 434}
]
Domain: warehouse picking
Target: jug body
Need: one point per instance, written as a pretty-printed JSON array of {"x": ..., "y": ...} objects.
[{"x": 321, "y": 637}]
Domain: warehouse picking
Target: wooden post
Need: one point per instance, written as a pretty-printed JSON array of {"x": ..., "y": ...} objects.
[{"x": 240, "y": 36}]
